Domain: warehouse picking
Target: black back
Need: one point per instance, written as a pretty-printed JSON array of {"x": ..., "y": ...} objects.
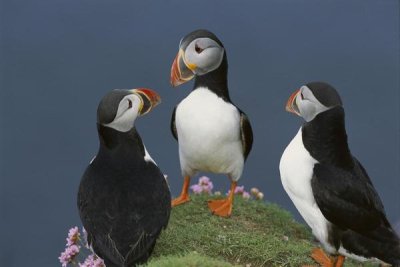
[
  {"x": 344, "y": 192},
  {"x": 124, "y": 201},
  {"x": 326, "y": 139}
]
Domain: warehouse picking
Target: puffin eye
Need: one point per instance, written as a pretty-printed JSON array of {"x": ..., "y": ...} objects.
[
  {"x": 302, "y": 96},
  {"x": 198, "y": 49},
  {"x": 129, "y": 104}
]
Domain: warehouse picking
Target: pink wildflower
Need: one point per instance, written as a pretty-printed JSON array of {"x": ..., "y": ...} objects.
[
  {"x": 254, "y": 191},
  {"x": 260, "y": 196},
  {"x": 203, "y": 186},
  {"x": 92, "y": 261},
  {"x": 206, "y": 184},
  {"x": 204, "y": 180},
  {"x": 197, "y": 189},
  {"x": 73, "y": 236},
  {"x": 208, "y": 188},
  {"x": 239, "y": 190},
  {"x": 246, "y": 195},
  {"x": 68, "y": 255}
]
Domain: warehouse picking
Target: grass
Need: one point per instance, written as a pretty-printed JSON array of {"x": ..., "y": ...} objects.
[
  {"x": 191, "y": 259},
  {"x": 257, "y": 234}
]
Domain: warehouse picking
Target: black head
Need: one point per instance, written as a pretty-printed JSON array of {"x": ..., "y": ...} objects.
[
  {"x": 197, "y": 34},
  {"x": 119, "y": 108},
  {"x": 325, "y": 94},
  {"x": 312, "y": 99},
  {"x": 108, "y": 106},
  {"x": 200, "y": 52}
]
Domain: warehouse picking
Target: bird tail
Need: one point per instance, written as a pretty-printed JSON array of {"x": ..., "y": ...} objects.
[
  {"x": 381, "y": 243},
  {"x": 141, "y": 251},
  {"x": 389, "y": 243}
]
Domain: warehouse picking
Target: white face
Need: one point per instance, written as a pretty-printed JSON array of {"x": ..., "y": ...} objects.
[
  {"x": 205, "y": 53},
  {"x": 308, "y": 105},
  {"x": 128, "y": 110}
]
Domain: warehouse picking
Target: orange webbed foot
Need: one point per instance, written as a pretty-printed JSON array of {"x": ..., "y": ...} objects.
[
  {"x": 184, "y": 196},
  {"x": 221, "y": 207},
  {"x": 180, "y": 200},
  {"x": 320, "y": 257},
  {"x": 340, "y": 261},
  {"x": 325, "y": 261}
]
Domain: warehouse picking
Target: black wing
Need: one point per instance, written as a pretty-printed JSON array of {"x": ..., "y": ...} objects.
[
  {"x": 142, "y": 218},
  {"x": 173, "y": 126},
  {"x": 246, "y": 134},
  {"x": 347, "y": 198}
]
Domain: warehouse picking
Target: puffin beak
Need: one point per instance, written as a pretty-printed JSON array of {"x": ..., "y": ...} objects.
[
  {"x": 291, "y": 105},
  {"x": 181, "y": 71},
  {"x": 149, "y": 98}
]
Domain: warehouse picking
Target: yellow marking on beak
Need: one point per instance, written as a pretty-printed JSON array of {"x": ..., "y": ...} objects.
[
  {"x": 190, "y": 66},
  {"x": 134, "y": 91},
  {"x": 141, "y": 105}
]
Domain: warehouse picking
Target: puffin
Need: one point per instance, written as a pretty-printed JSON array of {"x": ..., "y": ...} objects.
[
  {"x": 213, "y": 134},
  {"x": 124, "y": 200},
  {"x": 330, "y": 188}
]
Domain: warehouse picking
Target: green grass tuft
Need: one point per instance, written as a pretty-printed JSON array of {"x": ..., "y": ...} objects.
[
  {"x": 258, "y": 234},
  {"x": 192, "y": 259}
]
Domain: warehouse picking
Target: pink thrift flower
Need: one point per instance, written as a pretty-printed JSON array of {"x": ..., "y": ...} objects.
[
  {"x": 99, "y": 263},
  {"x": 246, "y": 195},
  {"x": 68, "y": 255},
  {"x": 203, "y": 186},
  {"x": 239, "y": 190},
  {"x": 197, "y": 189},
  {"x": 204, "y": 180},
  {"x": 73, "y": 236},
  {"x": 92, "y": 261},
  {"x": 208, "y": 188}
]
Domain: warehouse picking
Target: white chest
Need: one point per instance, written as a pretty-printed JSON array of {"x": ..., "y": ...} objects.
[
  {"x": 208, "y": 132},
  {"x": 296, "y": 168},
  {"x": 204, "y": 114}
]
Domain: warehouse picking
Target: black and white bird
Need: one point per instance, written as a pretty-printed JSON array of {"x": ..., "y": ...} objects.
[
  {"x": 329, "y": 186},
  {"x": 213, "y": 134},
  {"x": 124, "y": 200}
]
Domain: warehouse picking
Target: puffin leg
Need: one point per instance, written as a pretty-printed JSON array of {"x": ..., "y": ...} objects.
[
  {"x": 223, "y": 207},
  {"x": 320, "y": 257},
  {"x": 184, "y": 196},
  {"x": 340, "y": 261}
]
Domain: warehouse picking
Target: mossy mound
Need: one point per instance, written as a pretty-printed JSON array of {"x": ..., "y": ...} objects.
[{"x": 257, "y": 234}]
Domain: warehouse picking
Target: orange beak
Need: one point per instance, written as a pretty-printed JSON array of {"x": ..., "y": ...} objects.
[
  {"x": 291, "y": 105},
  {"x": 180, "y": 72},
  {"x": 149, "y": 98}
]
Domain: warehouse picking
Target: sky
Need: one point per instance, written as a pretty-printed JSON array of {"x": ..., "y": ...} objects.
[{"x": 58, "y": 58}]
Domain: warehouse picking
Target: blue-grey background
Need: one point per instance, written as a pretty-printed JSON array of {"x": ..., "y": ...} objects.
[{"x": 59, "y": 57}]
